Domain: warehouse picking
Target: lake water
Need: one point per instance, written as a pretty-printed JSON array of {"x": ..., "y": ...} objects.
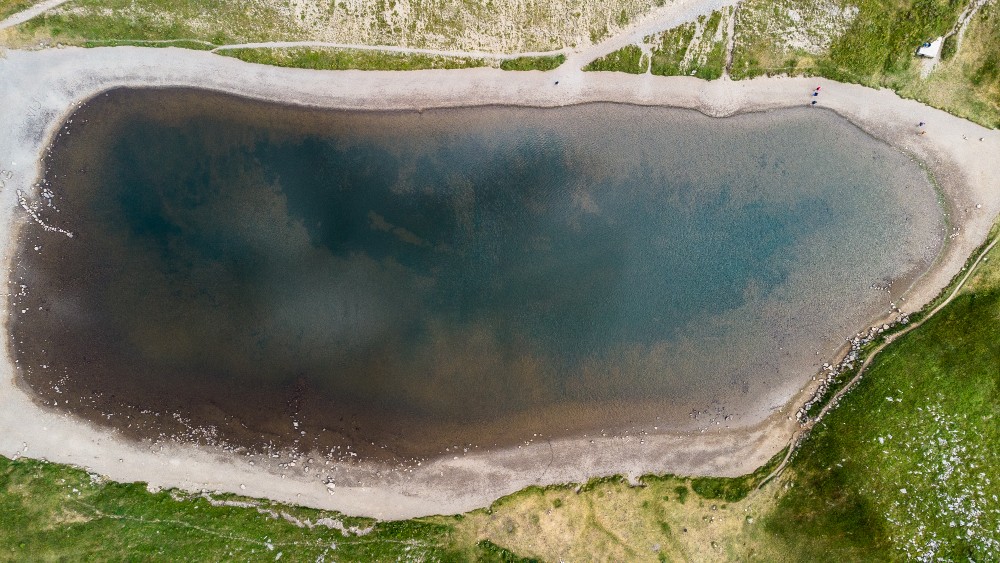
[{"x": 398, "y": 283}]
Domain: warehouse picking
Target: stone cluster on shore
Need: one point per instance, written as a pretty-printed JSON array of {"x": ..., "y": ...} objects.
[{"x": 832, "y": 372}]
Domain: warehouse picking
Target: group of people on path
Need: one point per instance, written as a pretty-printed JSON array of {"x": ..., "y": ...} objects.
[
  {"x": 815, "y": 94},
  {"x": 920, "y": 126}
]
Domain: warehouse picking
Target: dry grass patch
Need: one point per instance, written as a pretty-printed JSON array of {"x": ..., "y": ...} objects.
[{"x": 660, "y": 519}]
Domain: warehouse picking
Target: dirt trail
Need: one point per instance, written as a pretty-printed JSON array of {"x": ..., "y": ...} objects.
[{"x": 21, "y": 17}]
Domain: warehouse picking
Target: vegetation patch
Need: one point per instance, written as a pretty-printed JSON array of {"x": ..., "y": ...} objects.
[
  {"x": 345, "y": 59},
  {"x": 11, "y": 7},
  {"x": 219, "y": 22},
  {"x": 906, "y": 468},
  {"x": 967, "y": 82},
  {"x": 182, "y": 43},
  {"x": 733, "y": 489},
  {"x": 787, "y": 36},
  {"x": 874, "y": 42},
  {"x": 55, "y": 512},
  {"x": 490, "y": 552},
  {"x": 533, "y": 63},
  {"x": 694, "y": 49},
  {"x": 628, "y": 59}
]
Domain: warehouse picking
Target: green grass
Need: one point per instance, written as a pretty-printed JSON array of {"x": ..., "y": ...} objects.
[
  {"x": 489, "y": 552},
  {"x": 669, "y": 49},
  {"x": 53, "y": 512},
  {"x": 876, "y": 49},
  {"x": 968, "y": 82},
  {"x": 610, "y": 519},
  {"x": 345, "y": 59},
  {"x": 215, "y": 21},
  {"x": 627, "y": 59},
  {"x": 879, "y": 45},
  {"x": 533, "y": 63},
  {"x": 693, "y": 49},
  {"x": 11, "y": 7}
]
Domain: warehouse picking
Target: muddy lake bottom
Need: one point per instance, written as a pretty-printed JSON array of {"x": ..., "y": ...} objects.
[{"x": 403, "y": 285}]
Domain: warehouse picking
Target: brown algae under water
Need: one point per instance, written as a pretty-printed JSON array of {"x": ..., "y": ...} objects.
[{"x": 393, "y": 284}]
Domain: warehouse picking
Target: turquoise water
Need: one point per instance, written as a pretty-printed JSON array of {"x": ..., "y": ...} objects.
[{"x": 393, "y": 277}]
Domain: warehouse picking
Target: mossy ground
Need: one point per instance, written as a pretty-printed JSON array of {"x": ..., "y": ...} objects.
[{"x": 628, "y": 59}]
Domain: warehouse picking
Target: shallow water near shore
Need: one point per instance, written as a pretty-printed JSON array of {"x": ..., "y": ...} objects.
[{"x": 400, "y": 283}]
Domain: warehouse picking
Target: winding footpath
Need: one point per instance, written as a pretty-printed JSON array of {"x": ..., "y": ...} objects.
[{"x": 655, "y": 21}]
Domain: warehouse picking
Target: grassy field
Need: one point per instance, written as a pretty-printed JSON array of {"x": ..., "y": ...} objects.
[
  {"x": 500, "y": 26},
  {"x": 968, "y": 83},
  {"x": 344, "y": 59},
  {"x": 360, "y": 59},
  {"x": 53, "y": 512},
  {"x": 628, "y": 59},
  {"x": 658, "y": 518},
  {"x": 182, "y": 43},
  {"x": 215, "y": 21},
  {"x": 50, "y": 511}
]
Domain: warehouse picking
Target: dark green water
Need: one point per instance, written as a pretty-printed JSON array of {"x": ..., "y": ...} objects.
[{"x": 414, "y": 280}]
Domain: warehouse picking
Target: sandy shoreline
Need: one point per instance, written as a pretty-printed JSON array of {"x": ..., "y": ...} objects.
[{"x": 42, "y": 87}]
